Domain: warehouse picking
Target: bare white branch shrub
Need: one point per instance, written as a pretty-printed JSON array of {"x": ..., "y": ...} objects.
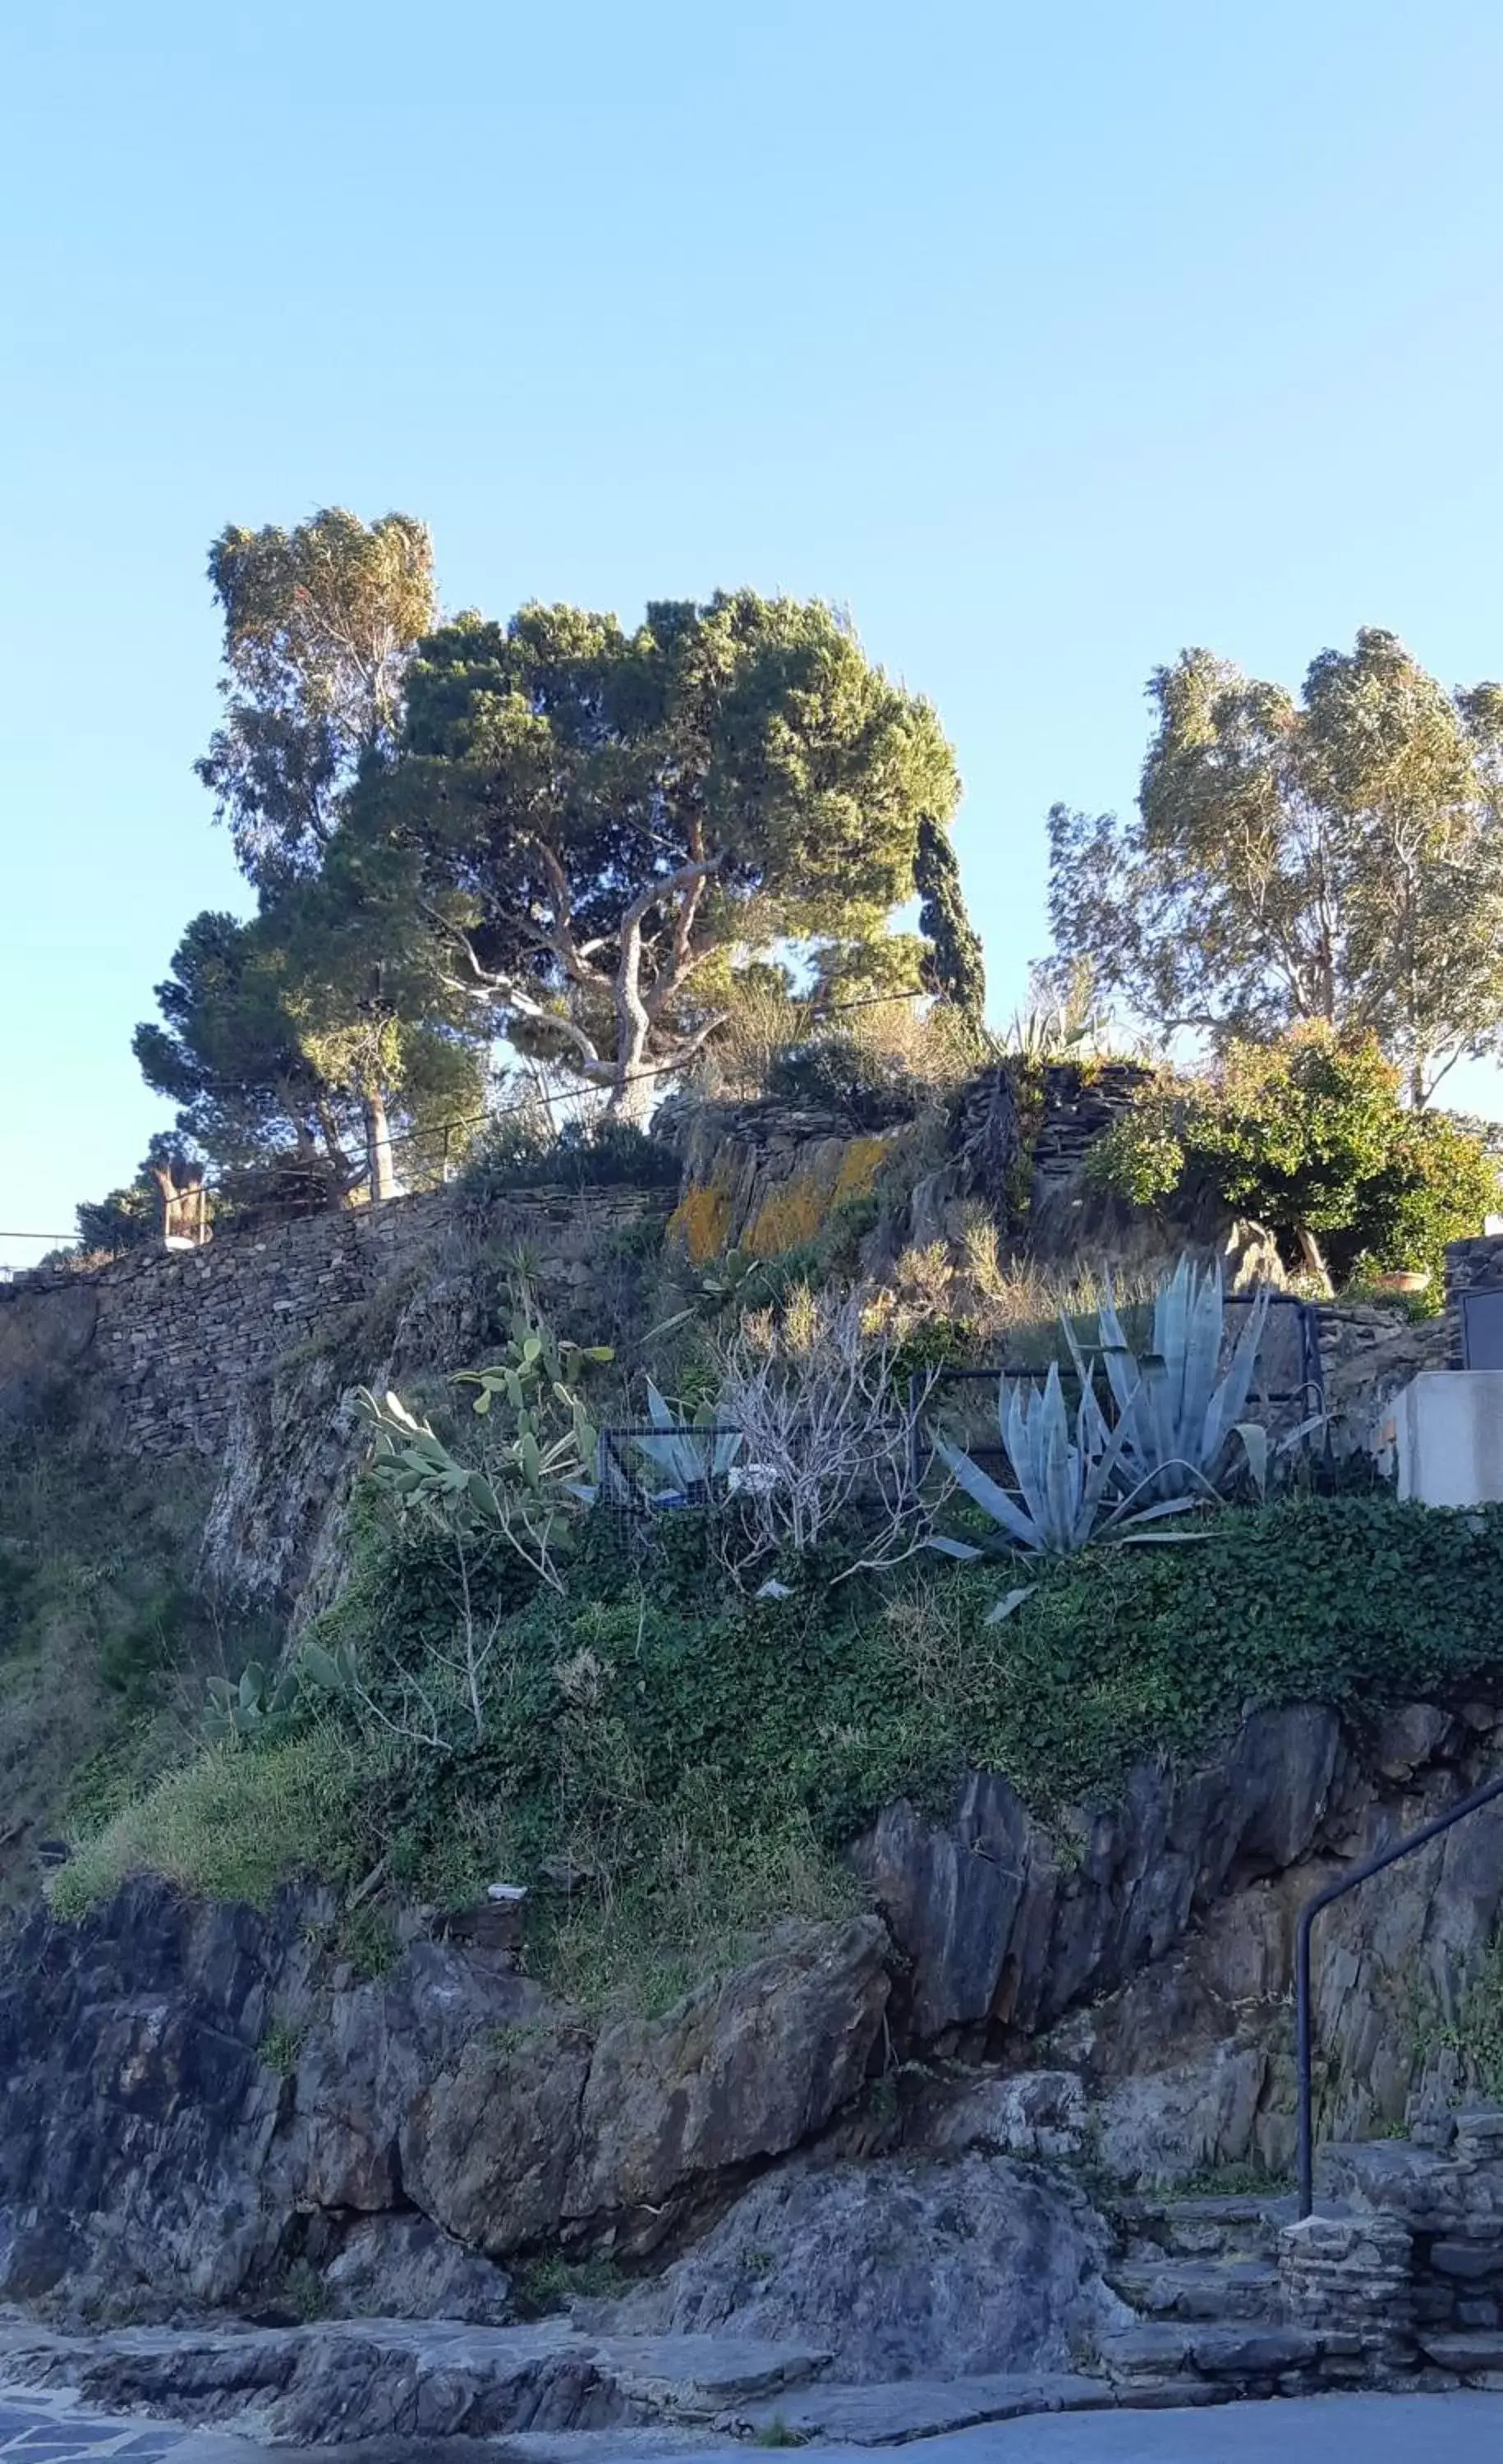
[
  {"x": 825, "y": 1430},
  {"x": 446, "y": 1698}
]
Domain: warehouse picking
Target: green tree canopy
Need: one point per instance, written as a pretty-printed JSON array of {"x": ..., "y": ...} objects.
[
  {"x": 1339, "y": 857},
  {"x": 602, "y": 815},
  {"x": 230, "y": 1054},
  {"x": 1308, "y": 1134},
  {"x": 319, "y": 625},
  {"x": 377, "y": 1014},
  {"x": 300, "y": 1051},
  {"x": 332, "y": 1003}
]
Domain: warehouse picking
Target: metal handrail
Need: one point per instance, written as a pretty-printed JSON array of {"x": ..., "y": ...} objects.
[{"x": 1420, "y": 1838}]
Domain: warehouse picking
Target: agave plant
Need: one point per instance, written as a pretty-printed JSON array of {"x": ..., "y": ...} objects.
[
  {"x": 1183, "y": 1413},
  {"x": 731, "y": 1281},
  {"x": 1178, "y": 1417},
  {"x": 1071, "y": 1482},
  {"x": 691, "y": 1455}
]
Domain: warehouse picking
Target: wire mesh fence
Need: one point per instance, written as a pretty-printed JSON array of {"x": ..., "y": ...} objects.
[
  {"x": 638, "y": 1477},
  {"x": 1287, "y": 1392}
]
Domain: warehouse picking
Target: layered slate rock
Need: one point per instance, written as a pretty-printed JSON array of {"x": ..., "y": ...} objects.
[
  {"x": 405, "y": 2266},
  {"x": 336, "y": 2382},
  {"x": 149, "y": 2150},
  {"x": 749, "y": 2069},
  {"x": 156, "y": 2147},
  {"x": 997, "y": 1929},
  {"x": 901, "y": 2269},
  {"x": 140, "y": 2130}
]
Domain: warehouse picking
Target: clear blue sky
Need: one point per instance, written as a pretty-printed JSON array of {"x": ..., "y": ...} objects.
[{"x": 1048, "y": 339}]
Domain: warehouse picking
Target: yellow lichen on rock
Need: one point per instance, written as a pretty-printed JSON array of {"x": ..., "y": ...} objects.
[
  {"x": 859, "y": 1166},
  {"x": 735, "y": 1201},
  {"x": 794, "y": 1210},
  {"x": 789, "y": 1214},
  {"x": 701, "y": 1219}
]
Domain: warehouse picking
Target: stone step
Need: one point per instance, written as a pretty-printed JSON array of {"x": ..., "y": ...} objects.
[
  {"x": 1225, "y": 2290},
  {"x": 892, "y": 2412},
  {"x": 1245, "y": 2357},
  {"x": 1209, "y": 2227},
  {"x": 1472, "y": 2354}
]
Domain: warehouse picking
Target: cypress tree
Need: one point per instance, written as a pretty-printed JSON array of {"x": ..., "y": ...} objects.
[{"x": 953, "y": 967}]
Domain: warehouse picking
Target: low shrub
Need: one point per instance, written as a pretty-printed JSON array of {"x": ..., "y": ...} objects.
[
  {"x": 843, "y": 1074},
  {"x": 692, "y": 1762},
  {"x": 604, "y": 1154}
]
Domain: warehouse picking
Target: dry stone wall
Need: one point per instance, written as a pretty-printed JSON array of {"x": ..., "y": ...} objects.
[
  {"x": 1471, "y": 1266},
  {"x": 168, "y": 1343}
]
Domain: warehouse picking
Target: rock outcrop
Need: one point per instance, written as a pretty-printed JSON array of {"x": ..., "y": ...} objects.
[
  {"x": 899, "y": 2269},
  {"x": 194, "y": 2103},
  {"x": 1148, "y": 1947},
  {"x": 336, "y": 2381},
  {"x": 198, "y": 2100}
]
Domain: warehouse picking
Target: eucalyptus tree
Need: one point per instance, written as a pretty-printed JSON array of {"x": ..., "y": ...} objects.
[
  {"x": 332, "y": 992},
  {"x": 320, "y": 626},
  {"x": 1337, "y": 856}
]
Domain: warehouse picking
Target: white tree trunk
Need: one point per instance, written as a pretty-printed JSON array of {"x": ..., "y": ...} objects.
[
  {"x": 1314, "y": 1261},
  {"x": 630, "y": 1097},
  {"x": 380, "y": 1172}
]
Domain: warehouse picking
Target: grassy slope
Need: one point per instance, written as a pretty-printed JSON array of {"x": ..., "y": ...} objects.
[
  {"x": 700, "y": 1758},
  {"x": 103, "y": 1645}
]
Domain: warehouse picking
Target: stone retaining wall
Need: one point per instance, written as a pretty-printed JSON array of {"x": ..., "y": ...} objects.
[
  {"x": 1471, "y": 1266},
  {"x": 1411, "y": 2259},
  {"x": 167, "y": 1342}
]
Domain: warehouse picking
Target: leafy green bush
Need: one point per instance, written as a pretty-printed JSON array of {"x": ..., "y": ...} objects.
[
  {"x": 1438, "y": 1185},
  {"x": 1309, "y": 1135}
]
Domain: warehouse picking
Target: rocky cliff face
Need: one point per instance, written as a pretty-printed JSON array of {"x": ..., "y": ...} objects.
[
  {"x": 197, "y": 2095},
  {"x": 764, "y": 1176},
  {"x": 1146, "y": 1950},
  {"x": 197, "y": 2098}
]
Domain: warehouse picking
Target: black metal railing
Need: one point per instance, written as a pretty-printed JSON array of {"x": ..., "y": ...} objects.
[
  {"x": 1305, "y": 1396},
  {"x": 1303, "y": 2022}
]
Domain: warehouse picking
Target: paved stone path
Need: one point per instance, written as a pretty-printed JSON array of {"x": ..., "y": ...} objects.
[
  {"x": 35, "y": 2432},
  {"x": 1466, "y": 2429},
  {"x": 1378, "y": 2428},
  {"x": 42, "y": 2428}
]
